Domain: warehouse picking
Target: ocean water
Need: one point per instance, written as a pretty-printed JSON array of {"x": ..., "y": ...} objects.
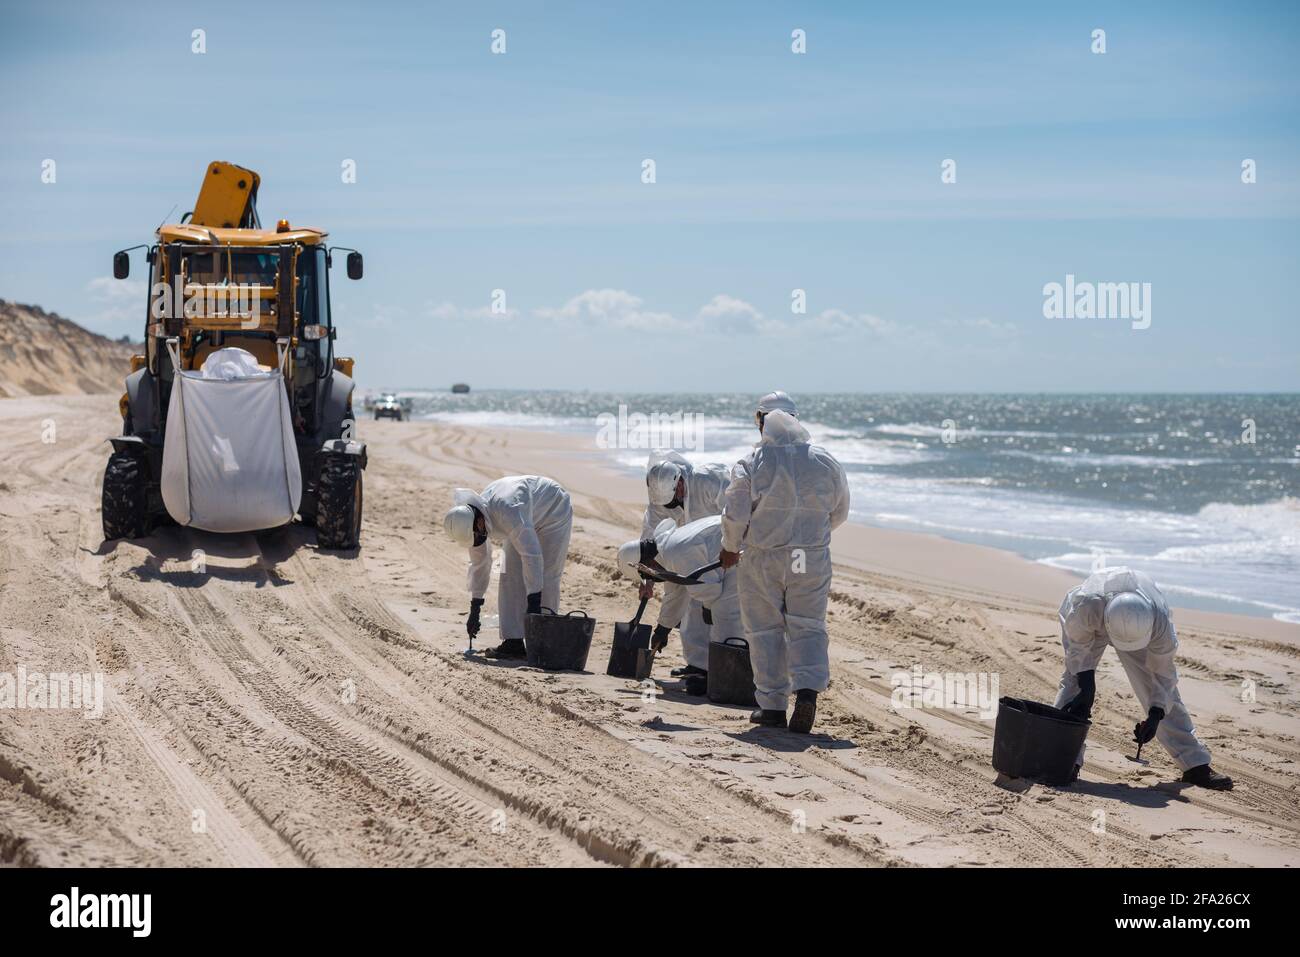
[{"x": 1201, "y": 491}]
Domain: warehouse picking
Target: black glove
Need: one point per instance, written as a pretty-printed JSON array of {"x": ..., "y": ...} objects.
[
  {"x": 708, "y": 617},
  {"x": 535, "y": 603},
  {"x": 472, "y": 623},
  {"x": 1081, "y": 704},
  {"x": 1144, "y": 731},
  {"x": 659, "y": 638}
]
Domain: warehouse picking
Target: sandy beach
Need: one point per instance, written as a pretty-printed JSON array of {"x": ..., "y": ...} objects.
[{"x": 285, "y": 706}]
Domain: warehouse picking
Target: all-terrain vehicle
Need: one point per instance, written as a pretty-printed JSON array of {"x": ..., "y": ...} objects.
[
  {"x": 198, "y": 269},
  {"x": 388, "y": 406}
]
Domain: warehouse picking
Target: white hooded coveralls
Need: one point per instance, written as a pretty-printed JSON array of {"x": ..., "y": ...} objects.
[
  {"x": 682, "y": 551},
  {"x": 704, "y": 487},
  {"x": 531, "y": 518},
  {"x": 1150, "y": 670},
  {"x": 784, "y": 500}
]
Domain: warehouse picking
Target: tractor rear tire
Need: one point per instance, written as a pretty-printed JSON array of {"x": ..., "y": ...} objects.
[
  {"x": 338, "y": 503},
  {"x": 125, "y": 504}
]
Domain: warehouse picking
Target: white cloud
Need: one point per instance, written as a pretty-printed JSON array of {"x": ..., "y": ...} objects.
[
  {"x": 729, "y": 315},
  {"x": 837, "y": 323},
  {"x": 108, "y": 289},
  {"x": 998, "y": 330},
  {"x": 611, "y": 307},
  {"x": 122, "y": 304},
  {"x": 722, "y": 315}
]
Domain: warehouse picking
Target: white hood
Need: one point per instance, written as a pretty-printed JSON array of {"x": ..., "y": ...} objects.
[{"x": 782, "y": 428}]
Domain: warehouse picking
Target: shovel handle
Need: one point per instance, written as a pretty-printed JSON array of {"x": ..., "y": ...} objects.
[
  {"x": 636, "y": 620},
  {"x": 705, "y": 568},
  {"x": 692, "y": 579}
]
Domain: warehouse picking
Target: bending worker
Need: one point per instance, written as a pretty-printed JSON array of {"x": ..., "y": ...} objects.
[
  {"x": 683, "y": 492},
  {"x": 784, "y": 499},
  {"x": 1125, "y": 609},
  {"x": 715, "y": 601},
  {"x": 531, "y": 518}
]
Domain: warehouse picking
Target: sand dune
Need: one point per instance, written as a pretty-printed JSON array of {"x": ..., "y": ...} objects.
[
  {"x": 292, "y": 707},
  {"x": 44, "y": 354}
]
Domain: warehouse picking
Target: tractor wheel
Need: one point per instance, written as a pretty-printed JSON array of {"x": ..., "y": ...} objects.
[
  {"x": 338, "y": 503},
  {"x": 126, "y": 497}
]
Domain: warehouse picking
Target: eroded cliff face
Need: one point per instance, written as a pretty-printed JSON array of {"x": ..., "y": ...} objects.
[{"x": 42, "y": 353}]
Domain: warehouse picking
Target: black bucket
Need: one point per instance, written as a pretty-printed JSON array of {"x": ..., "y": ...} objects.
[
  {"x": 731, "y": 677},
  {"x": 558, "y": 642},
  {"x": 1033, "y": 740},
  {"x": 629, "y": 638}
]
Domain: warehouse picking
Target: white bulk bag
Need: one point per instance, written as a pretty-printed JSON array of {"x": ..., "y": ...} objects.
[{"x": 229, "y": 459}]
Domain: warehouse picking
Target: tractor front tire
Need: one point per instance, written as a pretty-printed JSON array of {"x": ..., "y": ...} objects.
[
  {"x": 338, "y": 503},
  {"x": 126, "y": 497}
]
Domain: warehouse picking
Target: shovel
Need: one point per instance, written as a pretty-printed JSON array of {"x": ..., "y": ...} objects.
[
  {"x": 629, "y": 638},
  {"x": 645, "y": 657}
]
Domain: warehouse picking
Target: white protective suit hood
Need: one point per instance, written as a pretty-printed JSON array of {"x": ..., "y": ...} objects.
[
  {"x": 629, "y": 553},
  {"x": 629, "y": 558},
  {"x": 1130, "y": 618},
  {"x": 777, "y": 401},
  {"x": 782, "y": 428},
  {"x": 454, "y": 522},
  {"x": 661, "y": 481},
  {"x": 458, "y": 523},
  {"x": 662, "y": 531},
  {"x": 467, "y": 496}
]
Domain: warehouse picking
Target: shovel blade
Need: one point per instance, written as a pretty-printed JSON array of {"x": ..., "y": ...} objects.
[{"x": 645, "y": 662}]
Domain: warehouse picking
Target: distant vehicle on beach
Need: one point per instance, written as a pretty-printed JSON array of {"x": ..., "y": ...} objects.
[{"x": 389, "y": 406}]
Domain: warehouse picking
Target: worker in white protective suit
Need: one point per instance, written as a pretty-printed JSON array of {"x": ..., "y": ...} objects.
[
  {"x": 1124, "y": 608},
  {"x": 531, "y": 518},
  {"x": 683, "y": 492},
  {"x": 714, "y": 601},
  {"x": 783, "y": 501}
]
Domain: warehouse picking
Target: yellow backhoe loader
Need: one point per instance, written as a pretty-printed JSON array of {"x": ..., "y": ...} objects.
[{"x": 218, "y": 280}]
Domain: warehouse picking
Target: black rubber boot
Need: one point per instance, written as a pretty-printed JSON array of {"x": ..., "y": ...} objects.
[
  {"x": 1206, "y": 777},
  {"x": 768, "y": 718},
  {"x": 805, "y": 711},
  {"x": 696, "y": 684},
  {"x": 512, "y": 649},
  {"x": 687, "y": 671}
]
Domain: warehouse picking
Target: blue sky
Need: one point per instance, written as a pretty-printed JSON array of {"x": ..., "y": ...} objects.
[{"x": 775, "y": 172}]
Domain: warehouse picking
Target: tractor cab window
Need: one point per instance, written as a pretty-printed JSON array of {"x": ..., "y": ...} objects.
[
  {"x": 227, "y": 268},
  {"x": 313, "y": 288},
  {"x": 313, "y": 355}
]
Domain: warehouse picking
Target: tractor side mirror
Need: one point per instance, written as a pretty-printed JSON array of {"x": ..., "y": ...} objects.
[
  {"x": 121, "y": 265},
  {"x": 354, "y": 265}
]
